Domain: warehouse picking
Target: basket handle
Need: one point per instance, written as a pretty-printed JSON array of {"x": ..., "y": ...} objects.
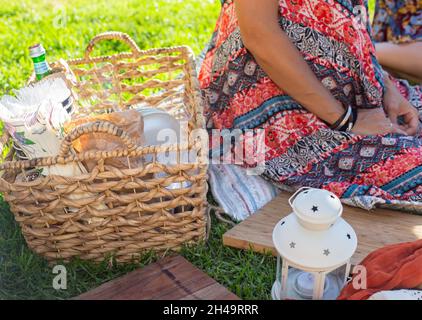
[
  {"x": 111, "y": 35},
  {"x": 97, "y": 126},
  {"x": 4, "y": 138}
]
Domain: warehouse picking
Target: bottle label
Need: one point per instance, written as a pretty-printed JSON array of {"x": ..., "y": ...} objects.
[{"x": 41, "y": 67}]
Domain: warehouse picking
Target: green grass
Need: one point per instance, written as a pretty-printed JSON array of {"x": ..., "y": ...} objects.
[{"x": 65, "y": 30}]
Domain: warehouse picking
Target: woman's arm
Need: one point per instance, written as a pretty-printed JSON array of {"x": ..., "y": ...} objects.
[
  {"x": 405, "y": 58},
  {"x": 284, "y": 64},
  {"x": 281, "y": 60}
]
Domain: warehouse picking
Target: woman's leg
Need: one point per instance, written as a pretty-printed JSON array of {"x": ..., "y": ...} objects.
[{"x": 403, "y": 59}]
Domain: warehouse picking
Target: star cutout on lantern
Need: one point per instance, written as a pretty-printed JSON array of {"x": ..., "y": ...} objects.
[
  {"x": 349, "y": 236},
  {"x": 292, "y": 245},
  {"x": 314, "y": 209},
  {"x": 326, "y": 252}
]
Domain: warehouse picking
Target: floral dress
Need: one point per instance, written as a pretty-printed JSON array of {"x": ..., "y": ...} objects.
[
  {"x": 397, "y": 21},
  {"x": 300, "y": 150}
]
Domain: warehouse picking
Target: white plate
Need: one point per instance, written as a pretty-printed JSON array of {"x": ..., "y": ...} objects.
[{"x": 160, "y": 128}]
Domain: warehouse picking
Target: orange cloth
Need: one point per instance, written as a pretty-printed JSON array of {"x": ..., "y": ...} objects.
[{"x": 397, "y": 266}]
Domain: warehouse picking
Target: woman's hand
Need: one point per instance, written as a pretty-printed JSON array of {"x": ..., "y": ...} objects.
[
  {"x": 373, "y": 122},
  {"x": 397, "y": 106}
]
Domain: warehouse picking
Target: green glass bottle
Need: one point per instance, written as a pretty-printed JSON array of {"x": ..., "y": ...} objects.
[{"x": 37, "y": 53}]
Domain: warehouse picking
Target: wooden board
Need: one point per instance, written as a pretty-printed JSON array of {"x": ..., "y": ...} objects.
[
  {"x": 375, "y": 229},
  {"x": 172, "y": 278}
]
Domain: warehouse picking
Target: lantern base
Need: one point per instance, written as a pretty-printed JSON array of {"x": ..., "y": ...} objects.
[{"x": 331, "y": 293}]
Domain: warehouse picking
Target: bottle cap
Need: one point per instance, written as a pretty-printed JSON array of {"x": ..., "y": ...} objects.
[{"x": 36, "y": 50}]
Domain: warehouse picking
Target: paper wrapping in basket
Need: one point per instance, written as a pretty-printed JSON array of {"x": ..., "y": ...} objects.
[{"x": 34, "y": 119}]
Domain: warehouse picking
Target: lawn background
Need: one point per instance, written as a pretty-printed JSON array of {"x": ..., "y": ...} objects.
[{"x": 65, "y": 28}]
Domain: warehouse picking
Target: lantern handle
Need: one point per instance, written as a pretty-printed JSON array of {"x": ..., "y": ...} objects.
[{"x": 296, "y": 193}]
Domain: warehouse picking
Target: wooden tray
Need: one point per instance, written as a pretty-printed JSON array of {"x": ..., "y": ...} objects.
[
  {"x": 172, "y": 278},
  {"x": 375, "y": 229}
]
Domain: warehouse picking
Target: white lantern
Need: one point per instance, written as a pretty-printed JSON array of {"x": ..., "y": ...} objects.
[{"x": 314, "y": 246}]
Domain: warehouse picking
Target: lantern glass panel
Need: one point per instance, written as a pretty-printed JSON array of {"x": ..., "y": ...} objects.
[{"x": 294, "y": 283}]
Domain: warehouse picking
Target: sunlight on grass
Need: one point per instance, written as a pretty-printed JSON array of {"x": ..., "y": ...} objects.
[{"x": 65, "y": 28}]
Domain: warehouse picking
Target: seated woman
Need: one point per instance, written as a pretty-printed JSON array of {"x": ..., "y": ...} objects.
[
  {"x": 397, "y": 31},
  {"x": 305, "y": 72}
]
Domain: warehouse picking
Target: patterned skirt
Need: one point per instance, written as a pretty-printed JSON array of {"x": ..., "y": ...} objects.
[
  {"x": 300, "y": 150},
  {"x": 397, "y": 21}
]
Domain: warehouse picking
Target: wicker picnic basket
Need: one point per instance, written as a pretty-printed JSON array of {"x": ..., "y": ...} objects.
[{"x": 111, "y": 212}]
